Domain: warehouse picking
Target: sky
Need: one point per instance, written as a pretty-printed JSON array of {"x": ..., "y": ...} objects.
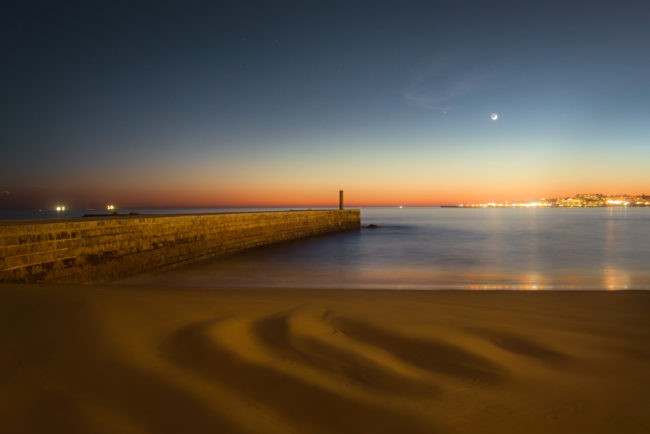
[{"x": 206, "y": 103}]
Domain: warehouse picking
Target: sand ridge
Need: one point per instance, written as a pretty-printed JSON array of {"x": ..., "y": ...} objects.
[{"x": 139, "y": 359}]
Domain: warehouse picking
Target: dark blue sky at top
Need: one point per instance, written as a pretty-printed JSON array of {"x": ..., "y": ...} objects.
[{"x": 91, "y": 87}]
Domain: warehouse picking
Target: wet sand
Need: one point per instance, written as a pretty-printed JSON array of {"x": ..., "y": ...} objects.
[{"x": 146, "y": 360}]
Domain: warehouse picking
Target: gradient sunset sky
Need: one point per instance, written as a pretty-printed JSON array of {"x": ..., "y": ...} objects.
[{"x": 180, "y": 103}]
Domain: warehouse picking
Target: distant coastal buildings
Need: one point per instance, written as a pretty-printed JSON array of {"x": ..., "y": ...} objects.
[{"x": 577, "y": 201}]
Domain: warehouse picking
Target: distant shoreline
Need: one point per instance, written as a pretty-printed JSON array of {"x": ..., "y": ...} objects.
[{"x": 550, "y": 206}]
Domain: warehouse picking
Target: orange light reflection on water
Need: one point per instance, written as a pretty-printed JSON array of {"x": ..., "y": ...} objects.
[{"x": 615, "y": 279}]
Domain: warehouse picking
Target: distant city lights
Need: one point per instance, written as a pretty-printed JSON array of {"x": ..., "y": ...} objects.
[
  {"x": 507, "y": 205},
  {"x": 580, "y": 200}
]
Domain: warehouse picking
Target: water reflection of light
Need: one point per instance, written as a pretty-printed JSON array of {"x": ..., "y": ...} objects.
[
  {"x": 531, "y": 281},
  {"x": 615, "y": 279}
]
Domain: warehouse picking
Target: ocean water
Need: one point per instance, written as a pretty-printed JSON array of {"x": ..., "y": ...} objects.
[{"x": 448, "y": 248}]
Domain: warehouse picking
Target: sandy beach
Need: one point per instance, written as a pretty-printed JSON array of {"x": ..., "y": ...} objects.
[{"x": 145, "y": 360}]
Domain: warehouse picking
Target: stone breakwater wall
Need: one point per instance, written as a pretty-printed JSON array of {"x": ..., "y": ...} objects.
[{"x": 99, "y": 249}]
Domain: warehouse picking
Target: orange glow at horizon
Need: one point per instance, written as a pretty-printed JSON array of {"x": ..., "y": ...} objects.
[
  {"x": 310, "y": 185},
  {"x": 318, "y": 196}
]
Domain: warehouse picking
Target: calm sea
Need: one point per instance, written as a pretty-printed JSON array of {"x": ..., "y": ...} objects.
[{"x": 436, "y": 248}]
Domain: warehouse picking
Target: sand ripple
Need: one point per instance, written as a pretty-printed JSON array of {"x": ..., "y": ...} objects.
[{"x": 320, "y": 362}]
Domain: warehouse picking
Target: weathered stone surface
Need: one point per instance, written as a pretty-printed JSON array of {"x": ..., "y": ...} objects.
[{"x": 101, "y": 249}]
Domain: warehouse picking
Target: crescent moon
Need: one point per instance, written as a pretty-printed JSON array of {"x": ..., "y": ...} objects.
[{"x": 494, "y": 116}]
